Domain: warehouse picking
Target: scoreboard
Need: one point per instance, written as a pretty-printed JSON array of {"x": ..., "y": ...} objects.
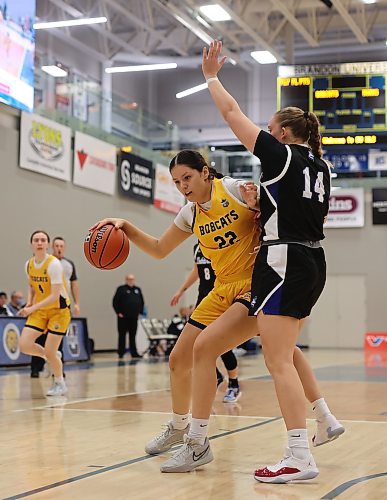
[{"x": 346, "y": 98}]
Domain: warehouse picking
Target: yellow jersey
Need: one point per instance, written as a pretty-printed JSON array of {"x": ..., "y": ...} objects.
[
  {"x": 227, "y": 234},
  {"x": 40, "y": 280}
]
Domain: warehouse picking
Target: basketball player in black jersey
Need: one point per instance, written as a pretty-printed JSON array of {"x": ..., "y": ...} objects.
[
  {"x": 203, "y": 271},
  {"x": 290, "y": 270}
]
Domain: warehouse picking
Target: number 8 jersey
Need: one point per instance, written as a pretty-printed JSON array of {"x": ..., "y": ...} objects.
[
  {"x": 295, "y": 188},
  {"x": 226, "y": 229}
]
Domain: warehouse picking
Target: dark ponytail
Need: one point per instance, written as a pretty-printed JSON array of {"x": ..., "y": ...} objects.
[
  {"x": 195, "y": 160},
  {"x": 214, "y": 173},
  {"x": 314, "y": 140},
  {"x": 304, "y": 125}
]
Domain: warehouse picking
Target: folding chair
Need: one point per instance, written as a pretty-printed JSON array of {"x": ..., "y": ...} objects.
[
  {"x": 161, "y": 330},
  {"x": 156, "y": 333}
]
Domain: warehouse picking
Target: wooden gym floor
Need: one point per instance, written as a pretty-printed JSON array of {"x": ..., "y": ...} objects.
[{"x": 90, "y": 445}]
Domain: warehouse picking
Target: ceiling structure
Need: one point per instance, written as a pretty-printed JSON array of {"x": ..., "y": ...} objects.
[{"x": 295, "y": 31}]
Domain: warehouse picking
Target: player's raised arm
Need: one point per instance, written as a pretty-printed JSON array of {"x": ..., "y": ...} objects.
[{"x": 241, "y": 125}]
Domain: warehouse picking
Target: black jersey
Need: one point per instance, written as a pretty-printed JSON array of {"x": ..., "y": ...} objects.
[
  {"x": 206, "y": 273},
  {"x": 295, "y": 190}
]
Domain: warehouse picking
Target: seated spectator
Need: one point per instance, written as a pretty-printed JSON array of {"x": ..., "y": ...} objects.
[
  {"x": 16, "y": 303},
  {"x": 4, "y": 311},
  {"x": 178, "y": 321}
]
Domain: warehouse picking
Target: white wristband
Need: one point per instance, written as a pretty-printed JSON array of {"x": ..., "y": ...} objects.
[{"x": 212, "y": 79}]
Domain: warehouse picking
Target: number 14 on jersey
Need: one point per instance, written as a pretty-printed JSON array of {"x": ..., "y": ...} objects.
[{"x": 318, "y": 186}]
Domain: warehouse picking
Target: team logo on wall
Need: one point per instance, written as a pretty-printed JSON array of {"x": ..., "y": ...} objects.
[
  {"x": 45, "y": 146},
  {"x": 73, "y": 340},
  {"x": 136, "y": 178},
  {"x": 375, "y": 341},
  {"x": 46, "y": 141},
  {"x": 11, "y": 337}
]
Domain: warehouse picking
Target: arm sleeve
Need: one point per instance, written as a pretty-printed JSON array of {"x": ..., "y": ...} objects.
[
  {"x": 272, "y": 153},
  {"x": 184, "y": 218},
  {"x": 55, "y": 271}
]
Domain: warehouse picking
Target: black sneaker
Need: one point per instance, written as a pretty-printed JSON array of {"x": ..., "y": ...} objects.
[{"x": 35, "y": 374}]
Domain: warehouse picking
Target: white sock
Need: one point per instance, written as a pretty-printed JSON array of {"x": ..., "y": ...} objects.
[
  {"x": 59, "y": 380},
  {"x": 320, "y": 408},
  {"x": 198, "y": 430},
  {"x": 298, "y": 443},
  {"x": 180, "y": 422}
]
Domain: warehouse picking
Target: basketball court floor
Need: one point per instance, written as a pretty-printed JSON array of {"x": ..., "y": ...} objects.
[{"x": 91, "y": 443}]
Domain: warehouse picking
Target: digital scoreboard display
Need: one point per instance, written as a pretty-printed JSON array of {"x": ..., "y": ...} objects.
[{"x": 344, "y": 103}]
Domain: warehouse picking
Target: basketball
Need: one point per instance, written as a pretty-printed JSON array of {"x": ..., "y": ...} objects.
[{"x": 106, "y": 247}]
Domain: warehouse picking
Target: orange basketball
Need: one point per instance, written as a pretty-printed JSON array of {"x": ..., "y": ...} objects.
[{"x": 106, "y": 247}]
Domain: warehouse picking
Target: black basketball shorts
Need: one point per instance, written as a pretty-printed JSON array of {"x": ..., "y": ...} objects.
[{"x": 287, "y": 280}]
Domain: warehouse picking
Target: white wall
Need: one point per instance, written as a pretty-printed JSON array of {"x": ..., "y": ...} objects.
[{"x": 30, "y": 201}]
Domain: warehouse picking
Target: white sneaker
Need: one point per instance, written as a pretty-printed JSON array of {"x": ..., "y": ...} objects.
[
  {"x": 57, "y": 389},
  {"x": 47, "y": 370},
  {"x": 168, "y": 438},
  {"x": 328, "y": 429},
  {"x": 288, "y": 469},
  {"x": 190, "y": 456}
]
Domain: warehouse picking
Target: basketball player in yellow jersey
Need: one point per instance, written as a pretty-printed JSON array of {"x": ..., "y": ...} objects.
[
  {"x": 222, "y": 213},
  {"x": 47, "y": 309}
]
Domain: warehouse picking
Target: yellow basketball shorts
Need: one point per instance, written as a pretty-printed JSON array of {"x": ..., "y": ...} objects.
[
  {"x": 54, "y": 321},
  {"x": 221, "y": 297}
]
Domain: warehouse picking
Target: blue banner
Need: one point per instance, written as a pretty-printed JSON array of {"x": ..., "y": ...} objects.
[
  {"x": 75, "y": 343},
  {"x": 348, "y": 162}
]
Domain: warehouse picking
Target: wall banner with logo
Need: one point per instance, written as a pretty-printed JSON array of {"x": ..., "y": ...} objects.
[
  {"x": 95, "y": 164},
  {"x": 45, "y": 146},
  {"x": 167, "y": 197},
  {"x": 346, "y": 208},
  {"x": 379, "y": 206},
  {"x": 75, "y": 344},
  {"x": 348, "y": 162},
  {"x": 377, "y": 160},
  {"x": 136, "y": 178}
]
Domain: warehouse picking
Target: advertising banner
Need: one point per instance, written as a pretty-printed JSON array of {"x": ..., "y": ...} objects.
[
  {"x": 346, "y": 208},
  {"x": 75, "y": 343},
  {"x": 95, "y": 164},
  {"x": 17, "y": 51},
  {"x": 45, "y": 146},
  {"x": 136, "y": 178},
  {"x": 377, "y": 160},
  {"x": 379, "y": 206},
  {"x": 348, "y": 162},
  {"x": 167, "y": 197}
]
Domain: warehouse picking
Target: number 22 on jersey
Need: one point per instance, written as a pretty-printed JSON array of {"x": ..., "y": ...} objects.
[{"x": 318, "y": 186}]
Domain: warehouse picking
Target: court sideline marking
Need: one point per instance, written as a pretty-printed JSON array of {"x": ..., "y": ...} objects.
[
  {"x": 85, "y": 400},
  {"x": 126, "y": 463},
  {"x": 345, "y": 486}
]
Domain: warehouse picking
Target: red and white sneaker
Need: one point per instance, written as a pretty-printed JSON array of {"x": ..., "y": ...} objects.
[{"x": 288, "y": 469}]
